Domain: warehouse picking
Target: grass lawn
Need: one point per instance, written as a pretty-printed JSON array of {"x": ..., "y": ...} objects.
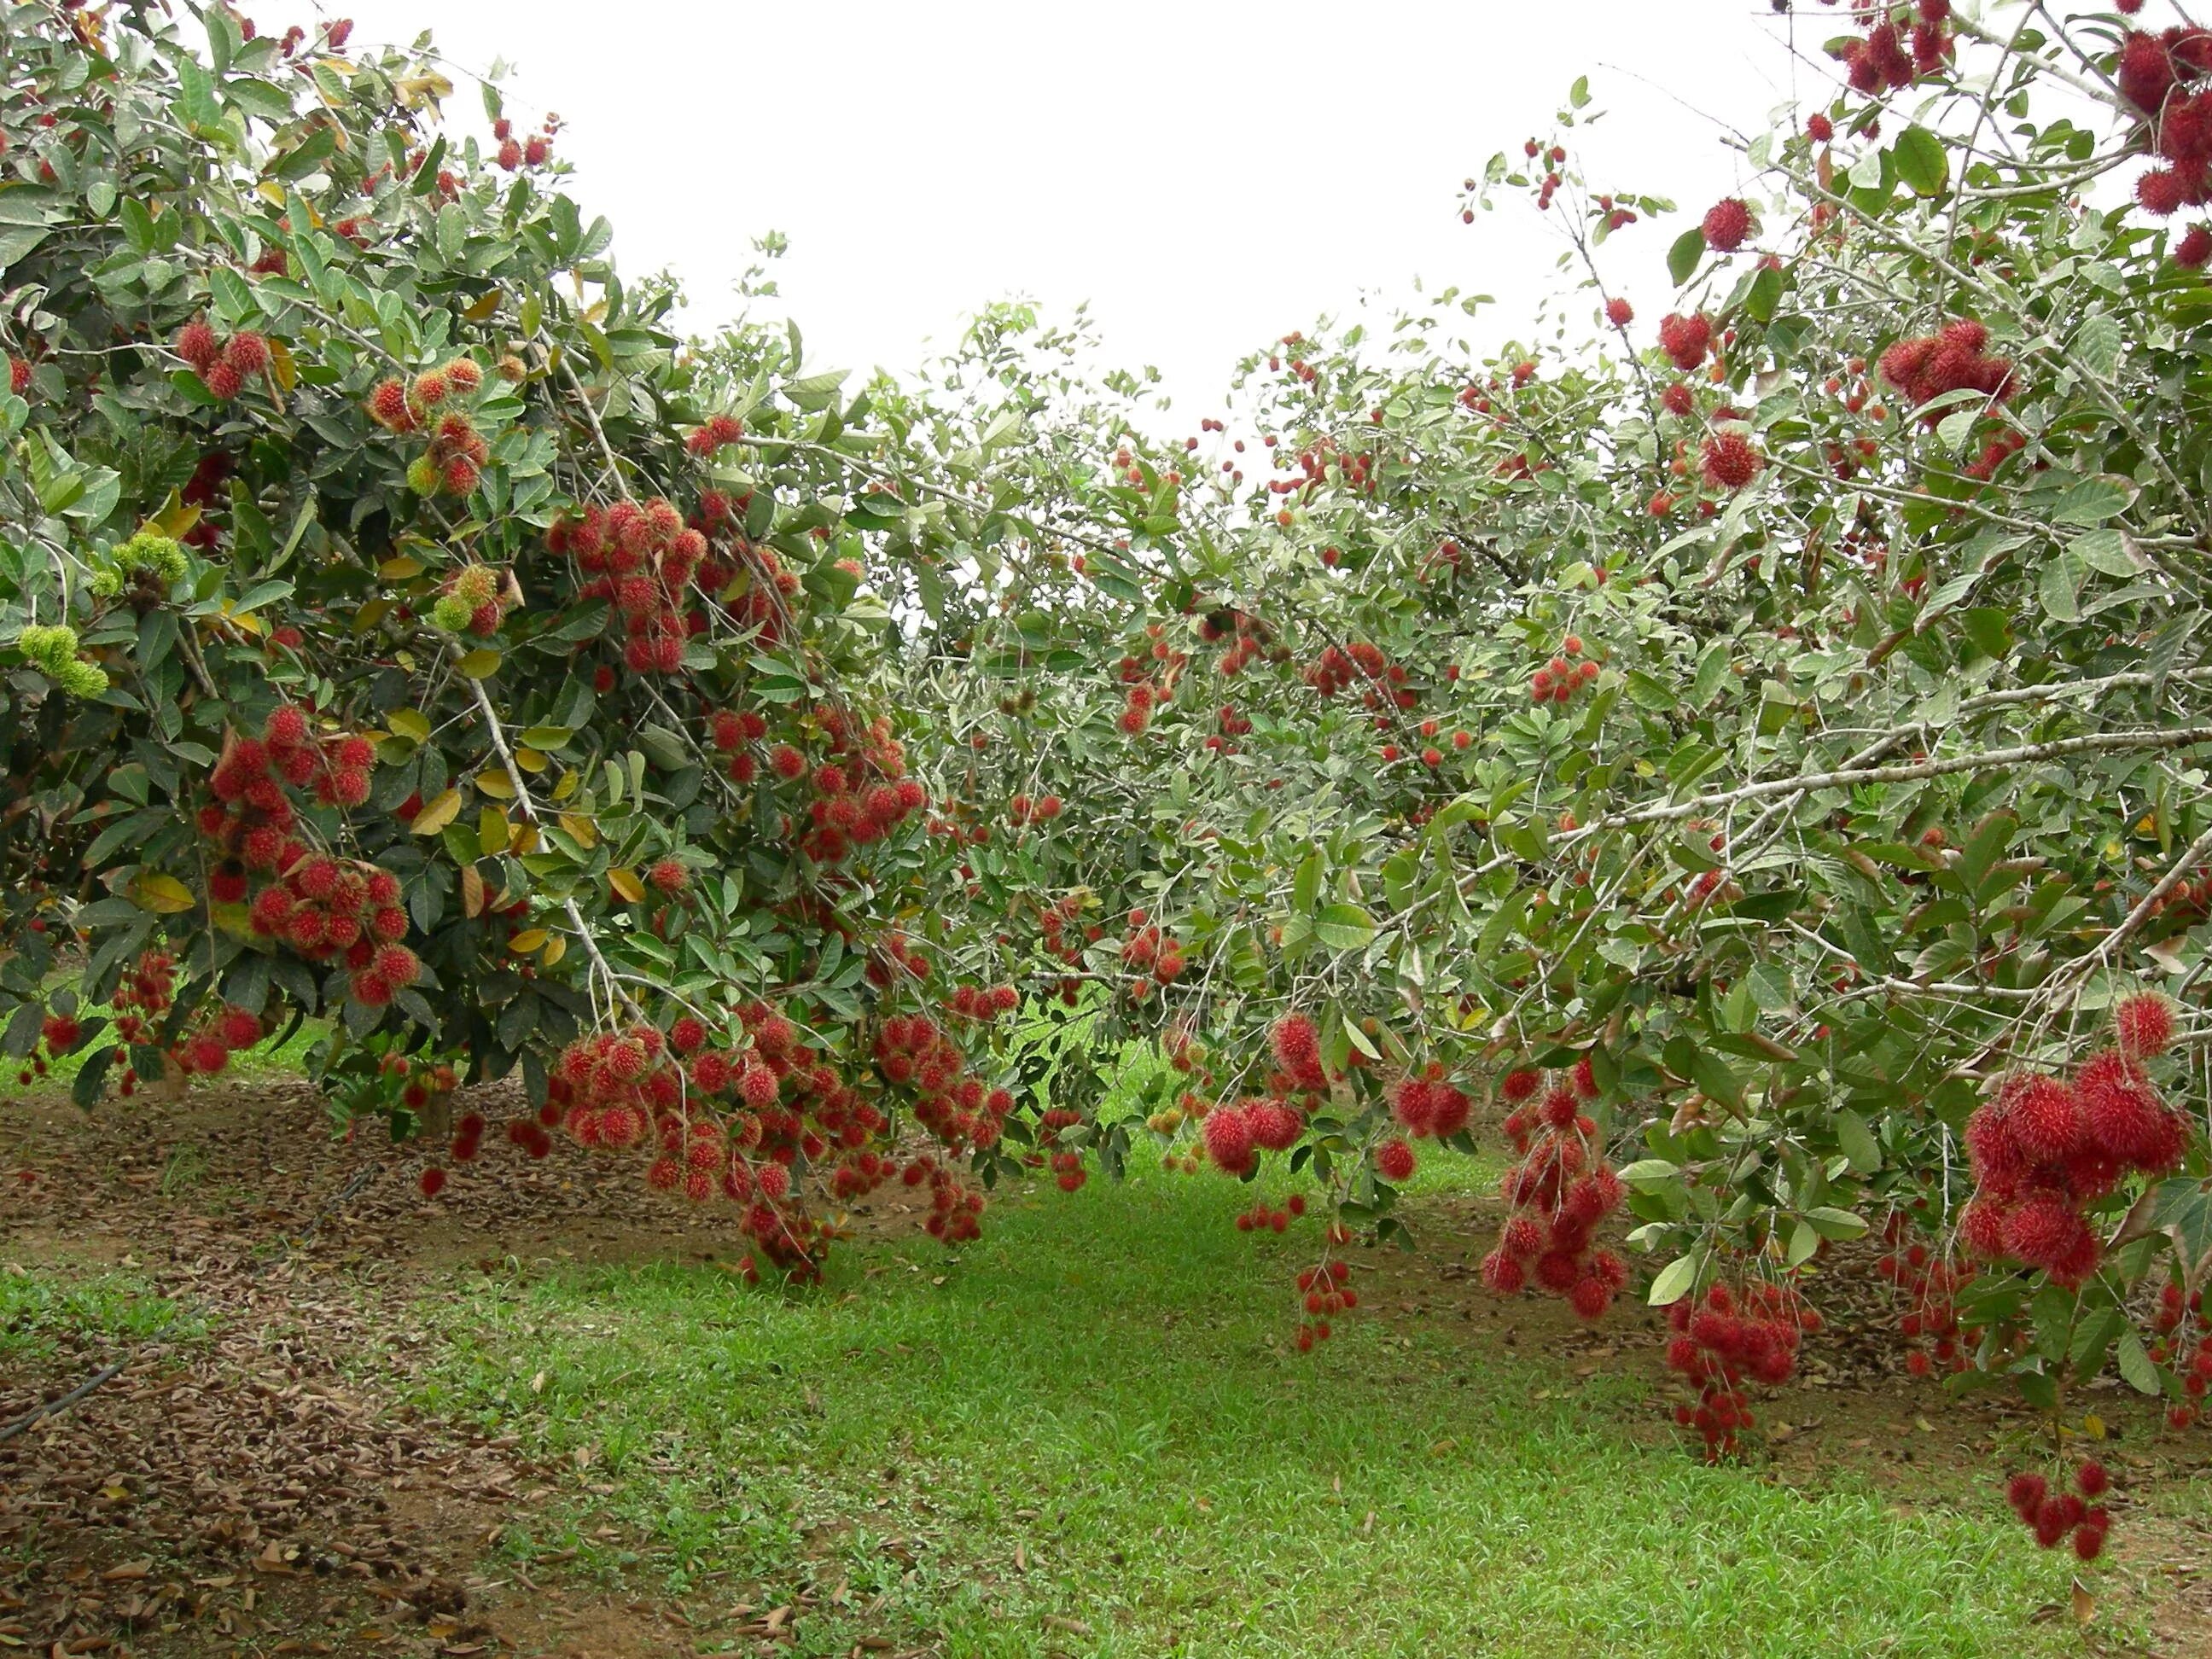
[{"x": 1087, "y": 1436}]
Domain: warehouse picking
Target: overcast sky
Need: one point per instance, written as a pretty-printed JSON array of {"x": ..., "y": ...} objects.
[{"x": 1206, "y": 175}]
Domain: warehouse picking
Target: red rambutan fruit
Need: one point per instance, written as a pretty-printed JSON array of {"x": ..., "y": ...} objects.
[{"x": 1726, "y": 222}]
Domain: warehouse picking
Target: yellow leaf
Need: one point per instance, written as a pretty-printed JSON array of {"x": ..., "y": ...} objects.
[
  {"x": 175, "y": 519},
  {"x": 371, "y": 613},
  {"x": 163, "y": 895},
  {"x": 492, "y": 831},
  {"x": 245, "y": 620},
  {"x": 483, "y": 307},
  {"x": 527, "y": 940},
  {"x": 480, "y": 662},
  {"x": 2094, "y": 1426},
  {"x": 526, "y": 840},
  {"x": 400, "y": 568},
  {"x": 566, "y": 787},
  {"x": 581, "y": 829},
  {"x": 495, "y": 783},
  {"x": 270, "y": 190},
  {"x": 280, "y": 358},
  {"x": 472, "y": 892},
  {"x": 409, "y": 723},
  {"x": 625, "y": 882},
  {"x": 555, "y": 948},
  {"x": 437, "y": 814},
  {"x": 529, "y": 759}
]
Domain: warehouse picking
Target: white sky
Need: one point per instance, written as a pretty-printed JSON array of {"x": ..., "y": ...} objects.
[{"x": 1207, "y": 175}]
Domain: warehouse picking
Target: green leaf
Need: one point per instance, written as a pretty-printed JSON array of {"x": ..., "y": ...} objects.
[
  {"x": 1305, "y": 891},
  {"x": 1712, "y": 674},
  {"x": 1344, "y": 927},
  {"x": 2136, "y": 1367},
  {"x": 1832, "y": 1223},
  {"x": 1682, "y": 257},
  {"x": 1922, "y": 163},
  {"x": 1857, "y": 1141},
  {"x": 1674, "y": 1281}
]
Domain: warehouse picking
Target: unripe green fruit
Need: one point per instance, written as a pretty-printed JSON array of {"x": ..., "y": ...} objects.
[
  {"x": 48, "y": 648},
  {"x": 82, "y": 679},
  {"x": 424, "y": 477},
  {"x": 151, "y": 550},
  {"x": 452, "y": 613},
  {"x": 106, "y": 583}
]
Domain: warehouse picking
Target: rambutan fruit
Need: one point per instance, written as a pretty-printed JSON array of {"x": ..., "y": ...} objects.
[
  {"x": 2144, "y": 1023},
  {"x": 1726, "y": 223},
  {"x": 1228, "y": 1133},
  {"x": 1520, "y": 1085},
  {"x": 2090, "y": 1480},
  {"x": 1503, "y": 1273},
  {"x": 223, "y": 380},
  {"x": 196, "y": 343},
  {"x": 1729, "y": 461},
  {"x": 1393, "y": 1160},
  {"x": 2044, "y": 1120},
  {"x": 2041, "y": 1230},
  {"x": 247, "y": 352},
  {"x": 669, "y": 875},
  {"x": 432, "y": 1182}
]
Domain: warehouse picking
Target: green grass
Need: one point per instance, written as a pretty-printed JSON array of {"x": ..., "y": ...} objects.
[
  {"x": 1101, "y": 1386},
  {"x": 37, "y": 1309}
]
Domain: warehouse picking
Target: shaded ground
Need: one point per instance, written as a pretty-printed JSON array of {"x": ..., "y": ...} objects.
[{"x": 263, "y": 1477}]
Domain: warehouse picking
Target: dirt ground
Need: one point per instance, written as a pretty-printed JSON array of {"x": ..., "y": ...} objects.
[{"x": 241, "y": 1492}]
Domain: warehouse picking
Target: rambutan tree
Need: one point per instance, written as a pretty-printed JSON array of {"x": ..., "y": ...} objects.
[{"x": 1753, "y": 754}]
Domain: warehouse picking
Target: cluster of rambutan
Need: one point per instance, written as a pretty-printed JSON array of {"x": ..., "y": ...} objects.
[
  {"x": 643, "y": 558},
  {"x": 1262, "y": 1218},
  {"x": 2183, "y": 1325},
  {"x": 719, "y": 433},
  {"x": 1931, "y": 1286},
  {"x": 206, "y": 1050},
  {"x": 2044, "y": 1150},
  {"x": 896, "y": 959},
  {"x": 1558, "y": 680},
  {"x": 1248, "y": 637},
  {"x": 861, "y": 791},
  {"x": 732, "y": 732},
  {"x": 1556, "y": 1195},
  {"x": 956, "y": 1209},
  {"x": 982, "y": 1003},
  {"x": 1053, "y": 921},
  {"x": 2161, "y": 75},
  {"x": 534, "y": 151},
  {"x": 1426, "y": 1105},
  {"x": 1902, "y": 44},
  {"x": 1685, "y": 340},
  {"x": 1726, "y": 1337},
  {"x": 1383, "y": 683},
  {"x": 252, "y": 817},
  {"x": 144, "y": 996},
  {"x": 457, "y": 450},
  {"x": 1154, "y": 957},
  {"x": 1952, "y": 359},
  {"x": 1326, "y": 1292},
  {"x": 474, "y": 600},
  {"x": 2052, "y": 1515},
  {"x": 1234, "y": 1134},
  {"x": 224, "y": 367},
  {"x": 1022, "y": 810},
  {"x": 1065, "y": 1162},
  {"x": 327, "y": 909},
  {"x": 912, "y": 1051},
  {"x": 1232, "y": 725},
  {"x": 1137, "y": 706}
]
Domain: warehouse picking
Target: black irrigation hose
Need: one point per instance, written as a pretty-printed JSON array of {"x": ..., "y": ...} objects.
[{"x": 54, "y": 1408}]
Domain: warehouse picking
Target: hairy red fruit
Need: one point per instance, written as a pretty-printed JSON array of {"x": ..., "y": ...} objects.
[
  {"x": 1726, "y": 222},
  {"x": 2144, "y": 1024}
]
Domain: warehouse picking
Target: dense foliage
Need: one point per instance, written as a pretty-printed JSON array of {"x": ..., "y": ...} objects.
[{"x": 1745, "y": 761}]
